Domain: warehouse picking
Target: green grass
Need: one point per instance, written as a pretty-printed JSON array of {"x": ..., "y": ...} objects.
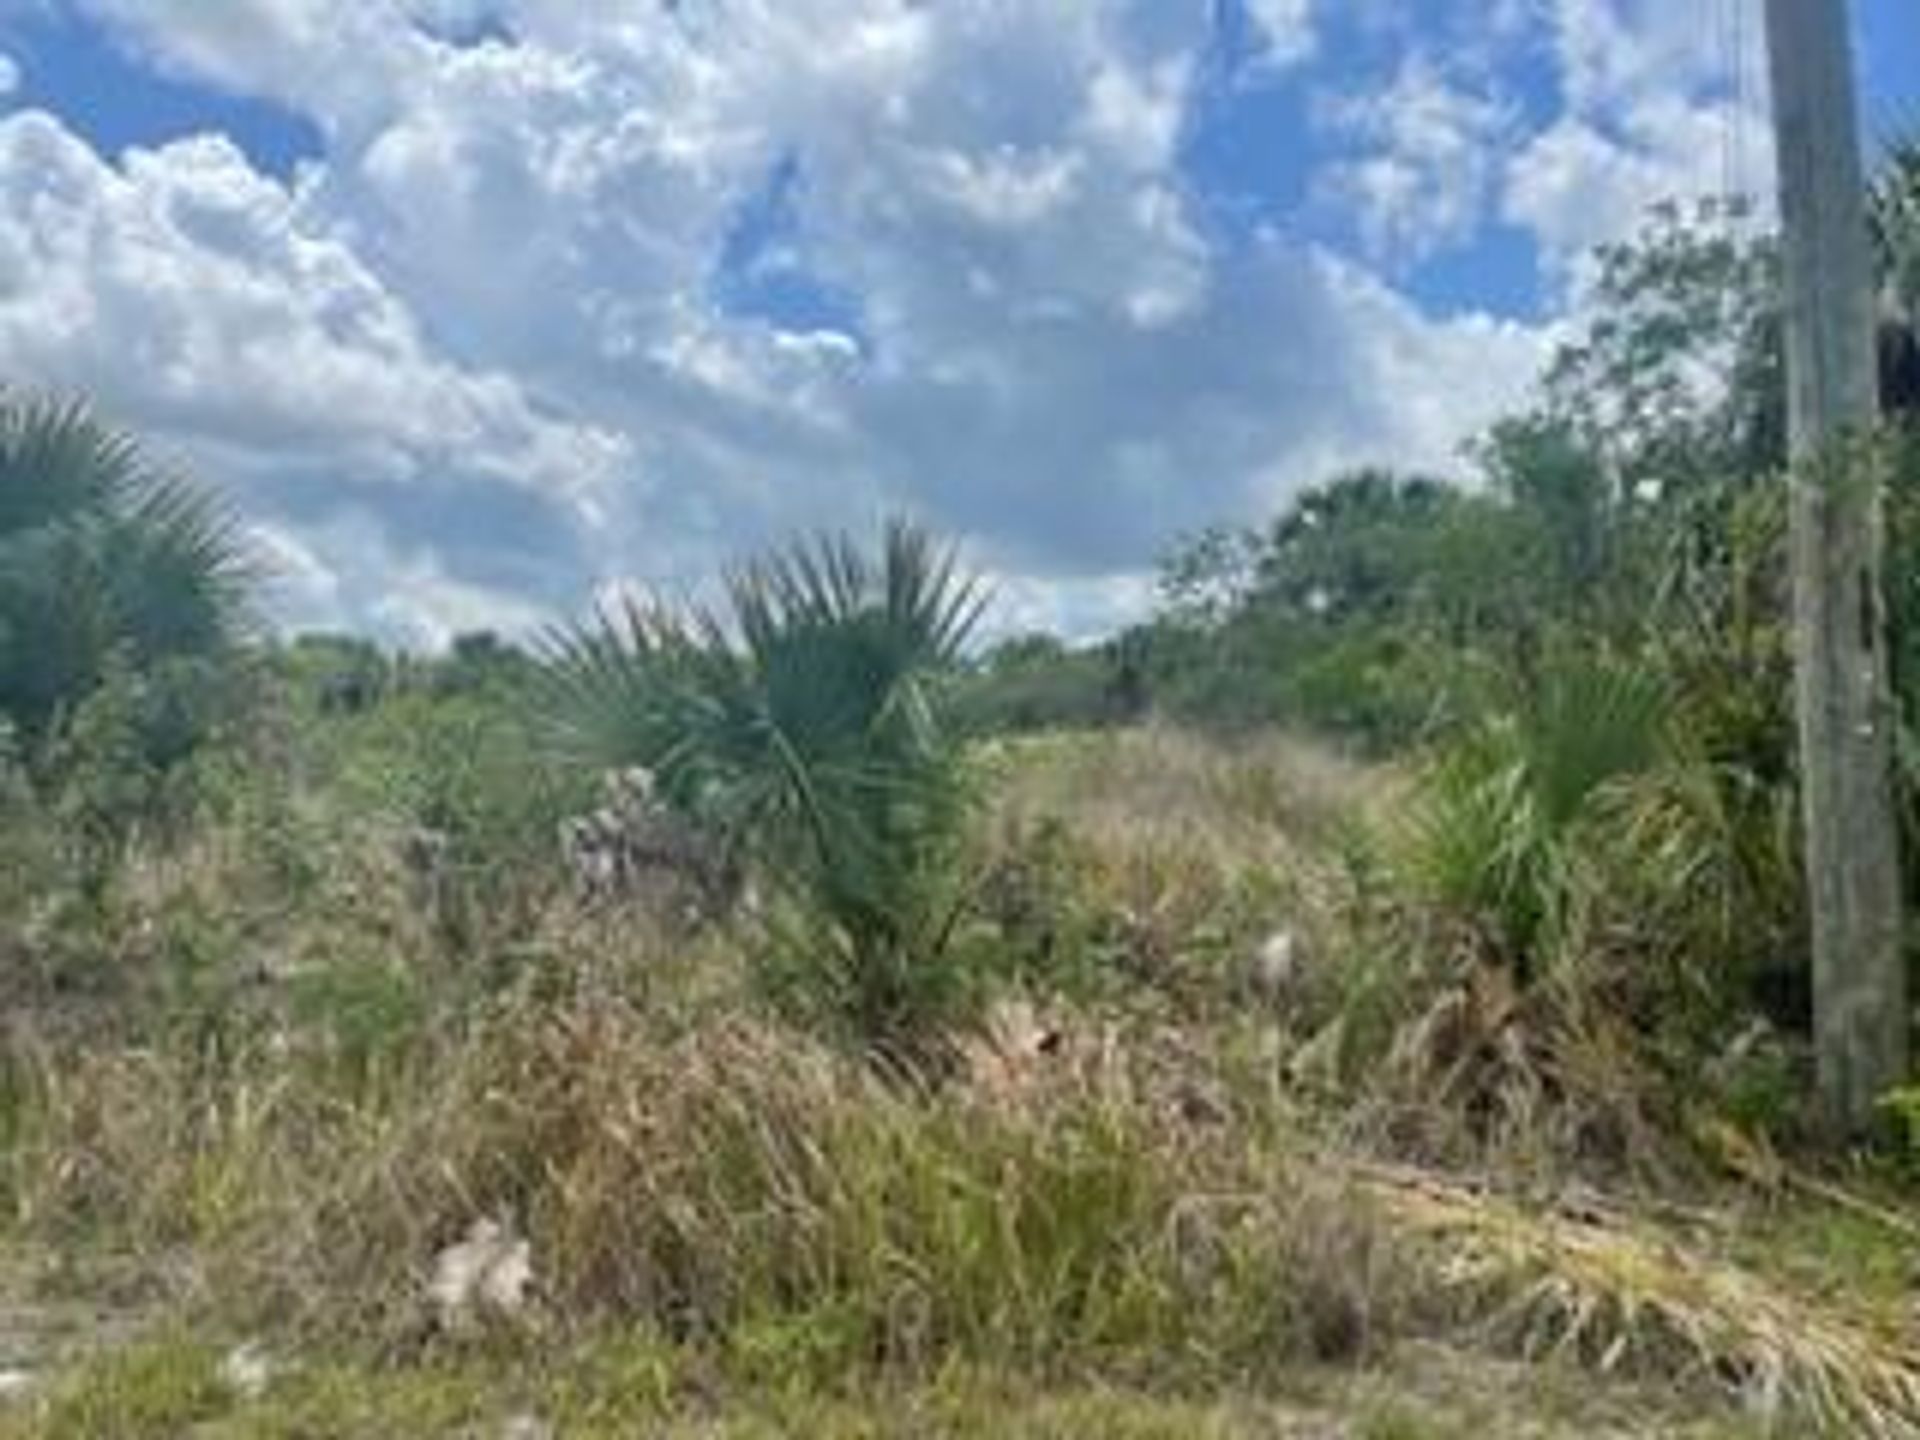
[
  {"x": 1871, "y": 1260},
  {"x": 632, "y": 1385}
]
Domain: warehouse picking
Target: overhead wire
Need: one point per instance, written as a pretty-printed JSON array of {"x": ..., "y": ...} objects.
[
  {"x": 1732, "y": 39},
  {"x": 1737, "y": 197}
]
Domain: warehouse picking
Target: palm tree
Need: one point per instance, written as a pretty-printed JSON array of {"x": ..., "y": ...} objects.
[
  {"x": 105, "y": 561},
  {"x": 801, "y": 722}
]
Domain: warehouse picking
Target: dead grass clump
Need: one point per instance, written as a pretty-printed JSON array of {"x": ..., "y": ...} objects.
[
  {"x": 1475, "y": 1072},
  {"x": 1593, "y": 1284}
]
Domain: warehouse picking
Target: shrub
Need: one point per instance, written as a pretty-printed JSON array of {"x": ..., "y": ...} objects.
[
  {"x": 804, "y": 725},
  {"x": 476, "y": 803},
  {"x": 105, "y": 561},
  {"x": 1497, "y": 824}
]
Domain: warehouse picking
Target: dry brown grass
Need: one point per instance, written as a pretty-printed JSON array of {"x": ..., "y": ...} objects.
[
  {"x": 1179, "y": 856},
  {"x": 1237, "y": 799},
  {"x": 1617, "y": 1292}
]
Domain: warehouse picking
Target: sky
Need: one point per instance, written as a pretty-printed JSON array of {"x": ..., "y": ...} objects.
[{"x": 479, "y": 311}]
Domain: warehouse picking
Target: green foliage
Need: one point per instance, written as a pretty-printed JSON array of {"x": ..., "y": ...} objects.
[
  {"x": 114, "y": 767},
  {"x": 1357, "y": 548},
  {"x": 1378, "y": 606},
  {"x": 1902, "y": 1107},
  {"x": 365, "y": 1011},
  {"x": 335, "y": 674},
  {"x": 480, "y": 662},
  {"x": 1502, "y": 803},
  {"x": 30, "y": 862},
  {"x": 804, "y": 724},
  {"x": 1205, "y": 577},
  {"x": 166, "y": 1385},
  {"x": 1894, "y": 210},
  {"x": 104, "y": 561},
  {"x": 1363, "y": 611},
  {"x": 1037, "y": 683},
  {"x": 476, "y": 801},
  {"x": 1680, "y": 380}
]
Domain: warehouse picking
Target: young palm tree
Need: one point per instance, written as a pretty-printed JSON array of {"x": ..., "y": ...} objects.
[
  {"x": 801, "y": 722},
  {"x": 104, "y": 561},
  {"x": 1496, "y": 818}
]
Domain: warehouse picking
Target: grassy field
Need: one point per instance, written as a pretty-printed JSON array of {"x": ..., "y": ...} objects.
[{"x": 1160, "y": 1189}]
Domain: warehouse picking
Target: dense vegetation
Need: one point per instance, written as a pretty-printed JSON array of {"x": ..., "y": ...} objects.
[{"x": 1386, "y": 959}]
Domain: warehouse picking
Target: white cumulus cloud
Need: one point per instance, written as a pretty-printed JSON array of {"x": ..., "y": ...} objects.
[
  {"x": 1663, "y": 102},
  {"x": 475, "y": 361},
  {"x": 1425, "y": 162}
]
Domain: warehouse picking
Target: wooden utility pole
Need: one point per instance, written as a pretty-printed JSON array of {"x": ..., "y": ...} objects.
[{"x": 1845, "y": 710}]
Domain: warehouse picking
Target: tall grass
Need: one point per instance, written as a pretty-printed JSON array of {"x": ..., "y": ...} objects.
[
  {"x": 737, "y": 1191},
  {"x": 703, "y": 1182}
]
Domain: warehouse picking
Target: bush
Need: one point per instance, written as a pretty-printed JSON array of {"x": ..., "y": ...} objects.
[
  {"x": 106, "y": 563},
  {"x": 1038, "y": 683},
  {"x": 476, "y": 805},
  {"x": 805, "y": 727},
  {"x": 1498, "y": 824}
]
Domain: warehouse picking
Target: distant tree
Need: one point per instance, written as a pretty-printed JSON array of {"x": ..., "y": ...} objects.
[
  {"x": 1205, "y": 576},
  {"x": 1039, "y": 682},
  {"x": 1354, "y": 548},
  {"x": 1894, "y": 209},
  {"x": 1679, "y": 380},
  {"x": 336, "y": 674},
  {"x": 480, "y": 660},
  {"x": 1024, "y": 652}
]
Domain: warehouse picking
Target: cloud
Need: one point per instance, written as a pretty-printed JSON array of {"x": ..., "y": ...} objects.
[
  {"x": 1286, "y": 27},
  {"x": 341, "y": 65},
  {"x": 1661, "y": 102},
  {"x": 488, "y": 354},
  {"x": 9, "y": 75},
  {"x": 1426, "y": 159},
  {"x": 203, "y": 301}
]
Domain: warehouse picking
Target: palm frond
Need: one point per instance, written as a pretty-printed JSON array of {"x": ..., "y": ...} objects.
[
  {"x": 1491, "y": 825},
  {"x": 57, "y": 463},
  {"x": 102, "y": 557},
  {"x": 1587, "y": 722},
  {"x": 179, "y": 573},
  {"x": 802, "y": 706}
]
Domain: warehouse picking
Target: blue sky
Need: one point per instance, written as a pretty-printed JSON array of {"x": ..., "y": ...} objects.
[{"x": 480, "y": 307}]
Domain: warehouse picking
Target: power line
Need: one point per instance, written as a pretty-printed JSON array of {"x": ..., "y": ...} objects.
[
  {"x": 1728, "y": 73},
  {"x": 1736, "y": 192},
  {"x": 1731, "y": 39}
]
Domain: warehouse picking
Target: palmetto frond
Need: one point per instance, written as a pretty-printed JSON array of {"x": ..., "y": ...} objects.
[
  {"x": 102, "y": 558},
  {"x": 179, "y": 573},
  {"x": 1589, "y": 722},
  {"x": 57, "y": 464},
  {"x": 1491, "y": 823},
  {"x": 798, "y": 715}
]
